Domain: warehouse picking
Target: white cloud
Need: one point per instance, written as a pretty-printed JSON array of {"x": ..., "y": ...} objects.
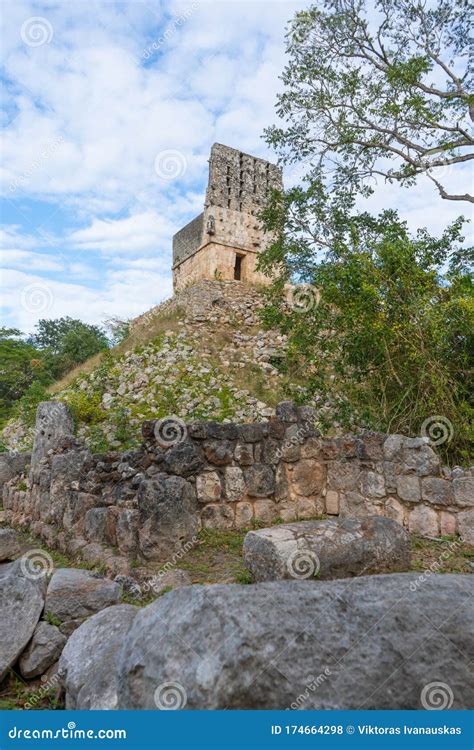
[
  {"x": 26, "y": 298},
  {"x": 87, "y": 116},
  {"x": 13, "y": 258},
  {"x": 138, "y": 233}
]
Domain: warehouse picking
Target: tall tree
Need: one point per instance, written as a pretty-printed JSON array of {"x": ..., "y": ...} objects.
[
  {"x": 21, "y": 365},
  {"x": 68, "y": 342},
  {"x": 379, "y": 90}
]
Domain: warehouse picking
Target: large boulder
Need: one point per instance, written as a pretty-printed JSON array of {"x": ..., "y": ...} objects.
[
  {"x": 43, "y": 650},
  {"x": 375, "y": 642},
  {"x": 89, "y": 661},
  {"x": 54, "y": 424},
  {"x": 168, "y": 515},
  {"x": 74, "y": 594},
  {"x": 335, "y": 548},
  {"x": 9, "y": 544},
  {"x": 22, "y": 593}
]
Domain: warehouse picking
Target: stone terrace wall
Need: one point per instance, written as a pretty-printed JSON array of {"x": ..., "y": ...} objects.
[{"x": 144, "y": 505}]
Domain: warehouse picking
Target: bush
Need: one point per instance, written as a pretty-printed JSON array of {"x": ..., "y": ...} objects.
[{"x": 85, "y": 408}]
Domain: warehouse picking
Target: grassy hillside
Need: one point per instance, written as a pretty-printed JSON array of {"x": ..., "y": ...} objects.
[{"x": 202, "y": 355}]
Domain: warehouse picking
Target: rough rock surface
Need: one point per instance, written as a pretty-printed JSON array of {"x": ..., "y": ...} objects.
[
  {"x": 21, "y": 604},
  {"x": 167, "y": 508},
  {"x": 54, "y": 423},
  {"x": 9, "y": 544},
  {"x": 89, "y": 661},
  {"x": 74, "y": 594},
  {"x": 42, "y": 651},
  {"x": 336, "y": 548},
  {"x": 466, "y": 526},
  {"x": 11, "y": 465},
  {"x": 373, "y": 642}
]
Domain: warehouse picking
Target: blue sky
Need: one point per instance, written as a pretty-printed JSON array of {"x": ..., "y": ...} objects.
[{"x": 110, "y": 110}]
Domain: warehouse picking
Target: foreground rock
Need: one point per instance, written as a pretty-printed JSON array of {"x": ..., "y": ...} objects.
[
  {"x": 336, "y": 548},
  {"x": 373, "y": 642},
  {"x": 21, "y": 604},
  {"x": 9, "y": 544},
  {"x": 89, "y": 661},
  {"x": 12, "y": 465},
  {"x": 43, "y": 650},
  {"x": 74, "y": 594}
]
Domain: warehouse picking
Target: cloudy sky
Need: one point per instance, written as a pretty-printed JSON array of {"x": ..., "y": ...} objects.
[{"x": 110, "y": 110}]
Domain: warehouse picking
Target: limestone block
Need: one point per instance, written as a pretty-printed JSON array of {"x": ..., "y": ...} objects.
[
  {"x": 208, "y": 487},
  {"x": 466, "y": 526},
  {"x": 9, "y": 544},
  {"x": 307, "y": 508},
  {"x": 327, "y": 549},
  {"x": 243, "y": 454},
  {"x": 332, "y": 503},
  {"x": 372, "y": 484},
  {"x": 234, "y": 483},
  {"x": 218, "y": 516},
  {"x": 464, "y": 491},
  {"x": 265, "y": 510},
  {"x": 286, "y": 411},
  {"x": 127, "y": 531},
  {"x": 74, "y": 593},
  {"x": 437, "y": 491},
  {"x": 394, "y": 509},
  {"x": 281, "y": 483},
  {"x": 95, "y": 524},
  {"x": 423, "y": 520},
  {"x": 343, "y": 475},
  {"x": 218, "y": 452},
  {"x": 260, "y": 480},
  {"x": 308, "y": 477},
  {"x": 408, "y": 488},
  {"x": 311, "y": 448},
  {"x": 299, "y": 625},
  {"x": 42, "y": 651},
  {"x": 243, "y": 515},
  {"x": 168, "y": 515},
  {"x": 447, "y": 523},
  {"x": 89, "y": 660},
  {"x": 54, "y": 424}
]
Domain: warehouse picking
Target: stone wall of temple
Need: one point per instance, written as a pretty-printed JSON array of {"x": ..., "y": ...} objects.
[
  {"x": 207, "y": 247},
  {"x": 143, "y": 505}
]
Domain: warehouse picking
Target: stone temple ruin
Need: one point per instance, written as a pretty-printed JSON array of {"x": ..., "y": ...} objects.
[
  {"x": 145, "y": 504},
  {"x": 224, "y": 240}
]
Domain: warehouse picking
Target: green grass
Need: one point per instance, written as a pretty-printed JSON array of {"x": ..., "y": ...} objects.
[{"x": 52, "y": 619}]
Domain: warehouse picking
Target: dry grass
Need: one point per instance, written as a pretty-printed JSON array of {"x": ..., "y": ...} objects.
[{"x": 144, "y": 329}]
